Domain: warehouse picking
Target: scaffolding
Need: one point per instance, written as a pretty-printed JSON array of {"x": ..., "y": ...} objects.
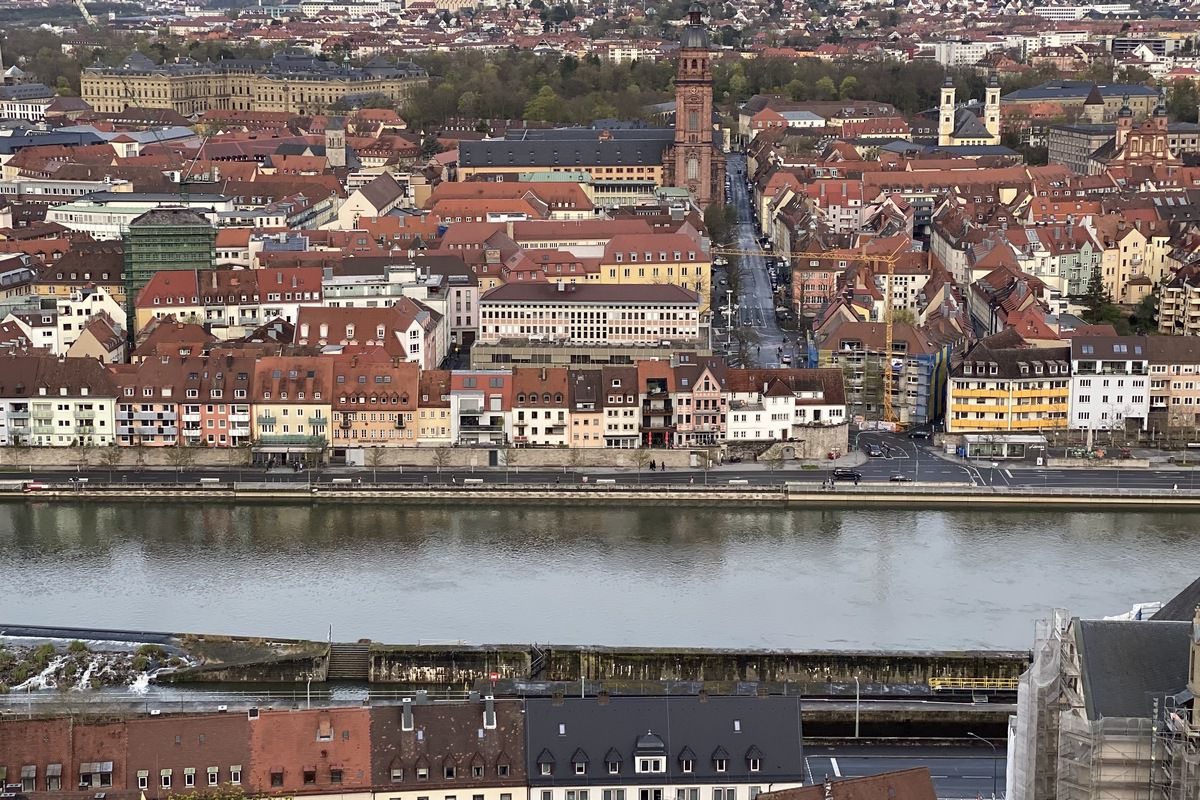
[
  {"x": 1035, "y": 728},
  {"x": 1104, "y": 759},
  {"x": 1175, "y": 773}
]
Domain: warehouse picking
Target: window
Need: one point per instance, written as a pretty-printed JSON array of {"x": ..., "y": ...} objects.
[
  {"x": 721, "y": 764},
  {"x": 276, "y": 778},
  {"x": 310, "y": 777},
  {"x": 502, "y": 770},
  {"x": 143, "y": 779},
  {"x": 686, "y": 765},
  {"x": 335, "y": 775},
  {"x": 448, "y": 772},
  {"x": 189, "y": 777},
  {"x": 165, "y": 778},
  {"x": 397, "y": 774},
  {"x": 235, "y": 776},
  {"x": 477, "y": 770},
  {"x": 53, "y": 777},
  {"x": 214, "y": 776},
  {"x": 614, "y": 767},
  {"x": 580, "y": 768},
  {"x": 755, "y": 764},
  {"x": 546, "y": 769}
]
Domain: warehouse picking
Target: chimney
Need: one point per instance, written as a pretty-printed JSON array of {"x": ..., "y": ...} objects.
[{"x": 406, "y": 716}]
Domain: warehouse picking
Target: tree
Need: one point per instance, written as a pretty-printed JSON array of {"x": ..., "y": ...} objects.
[
  {"x": 181, "y": 456},
  {"x": 716, "y": 220},
  {"x": 1096, "y": 298},
  {"x": 441, "y": 457},
  {"x": 1182, "y": 100},
  {"x": 848, "y": 88},
  {"x": 544, "y": 106},
  {"x": 375, "y": 461},
  {"x": 110, "y": 457},
  {"x": 641, "y": 460},
  {"x": 576, "y": 458},
  {"x": 825, "y": 88}
]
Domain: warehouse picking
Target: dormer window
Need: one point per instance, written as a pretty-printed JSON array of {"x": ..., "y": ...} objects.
[
  {"x": 687, "y": 765},
  {"x": 721, "y": 764},
  {"x": 755, "y": 764}
]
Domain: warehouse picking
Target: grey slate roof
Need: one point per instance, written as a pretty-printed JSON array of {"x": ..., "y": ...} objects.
[
  {"x": 1126, "y": 664},
  {"x": 506, "y": 153},
  {"x": 969, "y": 126},
  {"x": 26, "y": 91},
  {"x": 718, "y": 727},
  {"x": 1071, "y": 90},
  {"x": 1182, "y": 606}
]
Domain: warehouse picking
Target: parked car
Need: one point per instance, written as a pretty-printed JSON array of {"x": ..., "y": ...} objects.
[
  {"x": 898, "y": 478},
  {"x": 846, "y": 474}
]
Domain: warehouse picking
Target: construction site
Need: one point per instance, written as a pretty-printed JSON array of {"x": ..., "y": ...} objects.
[{"x": 1105, "y": 712}]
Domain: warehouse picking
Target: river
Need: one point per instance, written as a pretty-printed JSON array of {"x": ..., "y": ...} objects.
[{"x": 671, "y": 576}]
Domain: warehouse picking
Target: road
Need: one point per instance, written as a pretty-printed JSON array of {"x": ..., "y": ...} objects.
[
  {"x": 756, "y": 299},
  {"x": 958, "y": 771},
  {"x": 904, "y": 457}
]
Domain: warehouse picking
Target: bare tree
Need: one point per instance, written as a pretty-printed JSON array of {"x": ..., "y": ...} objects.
[
  {"x": 375, "y": 461},
  {"x": 441, "y": 457},
  {"x": 110, "y": 457},
  {"x": 181, "y": 456},
  {"x": 641, "y": 459},
  {"x": 576, "y": 459}
]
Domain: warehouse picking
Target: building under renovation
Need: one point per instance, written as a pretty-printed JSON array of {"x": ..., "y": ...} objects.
[{"x": 1107, "y": 711}]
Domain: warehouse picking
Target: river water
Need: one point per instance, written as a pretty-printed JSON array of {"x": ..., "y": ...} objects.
[{"x": 671, "y": 576}]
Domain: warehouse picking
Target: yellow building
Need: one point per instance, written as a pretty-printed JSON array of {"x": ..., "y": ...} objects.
[
  {"x": 292, "y": 408},
  {"x": 433, "y": 408},
  {"x": 1135, "y": 256},
  {"x": 374, "y": 401},
  {"x": 672, "y": 258},
  {"x": 295, "y": 85},
  {"x": 1002, "y": 387},
  {"x": 99, "y": 263}
]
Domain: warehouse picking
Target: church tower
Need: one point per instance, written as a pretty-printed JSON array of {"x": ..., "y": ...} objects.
[
  {"x": 1124, "y": 122},
  {"x": 1093, "y": 107},
  {"x": 696, "y": 167},
  {"x": 946, "y": 114},
  {"x": 991, "y": 108}
]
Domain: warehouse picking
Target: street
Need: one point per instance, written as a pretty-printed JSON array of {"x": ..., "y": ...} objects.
[
  {"x": 756, "y": 299},
  {"x": 903, "y": 460},
  {"x": 962, "y": 771}
]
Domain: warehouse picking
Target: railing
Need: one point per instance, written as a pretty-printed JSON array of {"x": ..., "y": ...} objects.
[
  {"x": 979, "y": 684},
  {"x": 264, "y": 420}
]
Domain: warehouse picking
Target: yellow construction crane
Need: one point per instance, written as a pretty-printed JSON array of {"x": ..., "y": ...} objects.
[
  {"x": 889, "y": 261},
  {"x": 87, "y": 15}
]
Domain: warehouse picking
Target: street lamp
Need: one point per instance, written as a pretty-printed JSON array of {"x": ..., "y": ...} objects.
[
  {"x": 995, "y": 758},
  {"x": 857, "y": 695}
]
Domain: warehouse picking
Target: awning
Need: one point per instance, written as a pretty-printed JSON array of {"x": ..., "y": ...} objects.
[
  {"x": 104, "y": 766},
  {"x": 54, "y": 770},
  {"x": 211, "y": 770},
  {"x": 29, "y": 771},
  {"x": 277, "y": 769},
  {"x": 85, "y": 768},
  {"x": 238, "y": 768},
  {"x": 143, "y": 773},
  {"x": 164, "y": 773},
  {"x": 309, "y": 768},
  {"x": 189, "y": 770}
]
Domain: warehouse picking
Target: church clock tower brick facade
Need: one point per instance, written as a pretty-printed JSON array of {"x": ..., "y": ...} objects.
[{"x": 694, "y": 163}]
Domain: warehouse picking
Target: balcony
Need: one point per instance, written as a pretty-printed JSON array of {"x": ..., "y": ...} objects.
[
  {"x": 240, "y": 418},
  {"x": 191, "y": 417},
  {"x": 481, "y": 429},
  {"x": 43, "y": 430},
  {"x": 15, "y": 415},
  {"x": 319, "y": 422},
  {"x": 266, "y": 420},
  {"x": 239, "y": 431},
  {"x": 291, "y": 440},
  {"x": 155, "y": 416},
  {"x": 470, "y": 407}
]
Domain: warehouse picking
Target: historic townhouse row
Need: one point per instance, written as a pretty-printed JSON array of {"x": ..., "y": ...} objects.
[
  {"x": 600, "y": 748},
  {"x": 369, "y": 396}
]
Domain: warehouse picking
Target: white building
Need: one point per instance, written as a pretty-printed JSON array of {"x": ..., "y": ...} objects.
[
  {"x": 1110, "y": 389},
  {"x": 106, "y": 215},
  {"x": 48, "y": 401},
  {"x": 590, "y": 314},
  {"x": 774, "y": 404},
  {"x": 1060, "y": 13}
]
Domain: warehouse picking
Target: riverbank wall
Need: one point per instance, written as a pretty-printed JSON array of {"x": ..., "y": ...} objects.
[
  {"x": 543, "y": 669},
  {"x": 729, "y": 494}
]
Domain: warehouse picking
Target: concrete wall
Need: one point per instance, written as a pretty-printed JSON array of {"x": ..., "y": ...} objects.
[
  {"x": 381, "y": 457},
  {"x": 449, "y": 665}
]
